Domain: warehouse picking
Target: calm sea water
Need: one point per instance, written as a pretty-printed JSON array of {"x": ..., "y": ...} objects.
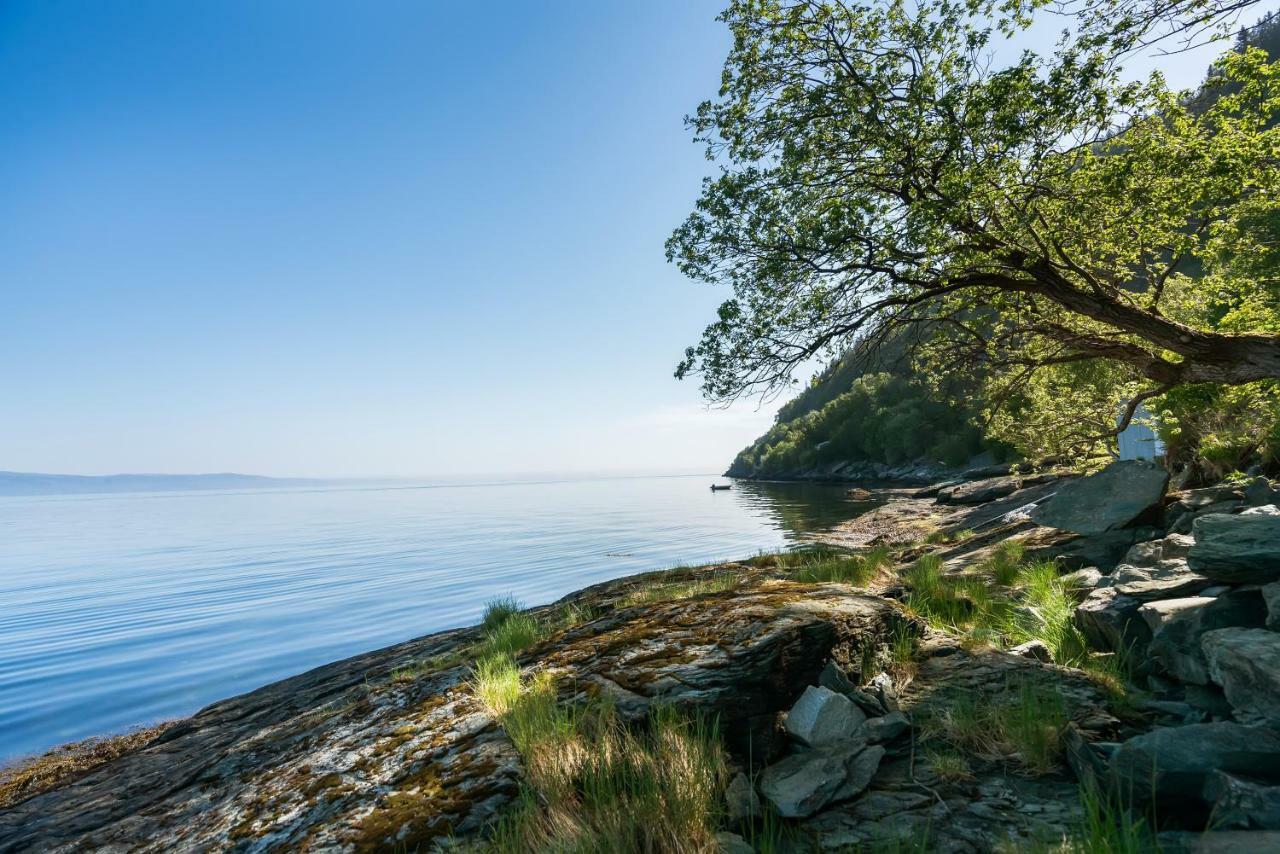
[{"x": 118, "y": 610}]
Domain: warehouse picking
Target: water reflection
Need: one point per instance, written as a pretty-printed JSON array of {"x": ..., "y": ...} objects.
[{"x": 801, "y": 509}]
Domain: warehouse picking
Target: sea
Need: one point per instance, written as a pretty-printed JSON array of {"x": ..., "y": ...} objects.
[{"x": 125, "y": 609}]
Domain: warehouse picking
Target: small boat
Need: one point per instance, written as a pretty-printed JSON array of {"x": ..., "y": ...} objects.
[{"x": 716, "y": 487}]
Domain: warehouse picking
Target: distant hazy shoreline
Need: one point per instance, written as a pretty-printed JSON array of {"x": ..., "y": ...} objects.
[{"x": 27, "y": 483}]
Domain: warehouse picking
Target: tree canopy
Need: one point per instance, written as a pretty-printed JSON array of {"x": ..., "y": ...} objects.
[{"x": 1067, "y": 236}]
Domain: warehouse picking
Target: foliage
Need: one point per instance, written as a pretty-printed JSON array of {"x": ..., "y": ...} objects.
[{"x": 1071, "y": 239}]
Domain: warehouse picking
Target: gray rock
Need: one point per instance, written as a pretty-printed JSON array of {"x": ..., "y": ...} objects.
[
  {"x": 1219, "y": 842},
  {"x": 886, "y": 728},
  {"x": 803, "y": 783},
  {"x": 1166, "y": 580},
  {"x": 1260, "y": 493},
  {"x": 979, "y": 491},
  {"x": 1243, "y": 803},
  {"x": 1152, "y": 552},
  {"x": 741, "y": 800},
  {"x": 834, "y": 679},
  {"x": 1109, "y": 621},
  {"x": 1173, "y": 765},
  {"x": 822, "y": 717},
  {"x": 1178, "y": 625},
  {"x": 1263, "y": 510},
  {"x": 1101, "y": 550},
  {"x": 1242, "y": 549},
  {"x": 1036, "y": 649},
  {"x": 1113, "y": 498},
  {"x": 732, "y": 843},
  {"x": 1246, "y": 663},
  {"x": 1208, "y": 699},
  {"x": 1271, "y": 595},
  {"x": 1086, "y": 579}
]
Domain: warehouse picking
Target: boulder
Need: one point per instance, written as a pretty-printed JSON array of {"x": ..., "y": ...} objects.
[
  {"x": 1177, "y": 626},
  {"x": 822, "y": 717},
  {"x": 732, "y": 843},
  {"x": 1086, "y": 579},
  {"x": 979, "y": 491},
  {"x": 741, "y": 800},
  {"x": 1260, "y": 493},
  {"x": 886, "y": 728},
  {"x": 1115, "y": 497},
  {"x": 1109, "y": 621},
  {"x": 1104, "y": 551},
  {"x": 1036, "y": 649},
  {"x": 805, "y": 782},
  {"x": 1166, "y": 580},
  {"x": 1174, "y": 765},
  {"x": 833, "y": 678},
  {"x": 1152, "y": 552},
  {"x": 1271, "y": 595},
  {"x": 1246, "y": 663},
  {"x": 1240, "y": 802},
  {"x": 1239, "y": 549}
]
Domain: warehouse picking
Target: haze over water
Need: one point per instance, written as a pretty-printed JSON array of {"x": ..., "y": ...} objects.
[{"x": 120, "y": 610}]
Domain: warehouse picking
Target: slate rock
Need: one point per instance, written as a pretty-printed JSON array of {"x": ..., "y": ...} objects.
[
  {"x": 1152, "y": 552},
  {"x": 741, "y": 800},
  {"x": 1239, "y": 549},
  {"x": 1179, "y": 624},
  {"x": 732, "y": 843},
  {"x": 803, "y": 783},
  {"x": 1086, "y": 579},
  {"x": 1246, "y": 663},
  {"x": 1240, "y": 802},
  {"x": 1219, "y": 842},
  {"x": 885, "y": 728},
  {"x": 1175, "y": 764},
  {"x": 1260, "y": 493},
  {"x": 1271, "y": 595},
  {"x": 1036, "y": 649},
  {"x": 822, "y": 717},
  {"x": 1117, "y": 496},
  {"x": 1166, "y": 580},
  {"x": 1109, "y": 621},
  {"x": 979, "y": 491},
  {"x": 834, "y": 679}
]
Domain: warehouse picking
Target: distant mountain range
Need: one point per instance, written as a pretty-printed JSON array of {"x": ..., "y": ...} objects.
[{"x": 27, "y": 483}]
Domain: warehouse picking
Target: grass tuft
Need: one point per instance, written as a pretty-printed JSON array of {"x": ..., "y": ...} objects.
[
  {"x": 1023, "y": 725},
  {"x": 498, "y": 611}
]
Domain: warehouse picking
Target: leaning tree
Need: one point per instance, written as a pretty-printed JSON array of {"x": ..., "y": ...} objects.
[{"x": 1040, "y": 217}]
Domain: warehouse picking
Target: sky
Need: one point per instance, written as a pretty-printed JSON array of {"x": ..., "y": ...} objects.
[{"x": 407, "y": 239}]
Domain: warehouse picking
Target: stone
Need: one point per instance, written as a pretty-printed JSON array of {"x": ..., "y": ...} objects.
[
  {"x": 1084, "y": 760},
  {"x": 1264, "y": 510},
  {"x": 1240, "y": 549},
  {"x": 886, "y": 728},
  {"x": 1208, "y": 699},
  {"x": 1152, "y": 552},
  {"x": 822, "y": 717},
  {"x": 979, "y": 491},
  {"x": 1179, "y": 624},
  {"x": 732, "y": 843},
  {"x": 1109, "y": 621},
  {"x": 1219, "y": 842},
  {"x": 1036, "y": 649},
  {"x": 1271, "y": 595},
  {"x": 1166, "y": 580},
  {"x": 741, "y": 800},
  {"x": 1104, "y": 551},
  {"x": 1239, "y": 802},
  {"x": 803, "y": 783},
  {"x": 1086, "y": 579},
  {"x": 1260, "y": 493},
  {"x": 1246, "y": 663},
  {"x": 1115, "y": 497},
  {"x": 1173, "y": 765},
  {"x": 834, "y": 679},
  {"x": 886, "y": 692}
]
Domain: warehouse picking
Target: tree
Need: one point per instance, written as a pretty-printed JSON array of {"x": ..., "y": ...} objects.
[{"x": 877, "y": 171}]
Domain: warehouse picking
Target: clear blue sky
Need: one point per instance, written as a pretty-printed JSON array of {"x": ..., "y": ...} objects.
[{"x": 392, "y": 238}]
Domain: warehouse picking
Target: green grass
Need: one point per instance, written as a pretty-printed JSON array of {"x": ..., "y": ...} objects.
[
  {"x": 657, "y": 589},
  {"x": 1046, "y": 614},
  {"x": 1022, "y": 725},
  {"x": 858, "y": 569},
  {"x": 497, "y": 611},
  {"x": 1104, "y": 827}
]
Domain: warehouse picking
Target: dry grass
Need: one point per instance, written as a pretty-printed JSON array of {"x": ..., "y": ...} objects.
[{"x": 62, "y": 765}]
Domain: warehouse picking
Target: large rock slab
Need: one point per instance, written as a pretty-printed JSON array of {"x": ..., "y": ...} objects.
[
  {"x": 742, "y": 655},
  {"x": 1179, "y": 624},
  {"x": 1239, "y": 802},
  {"x": 1174, "y": 765},
  {"x": 1271, "y": 595},
  {"x": 1115, "y": 497},
  {"x": 1237, "y": 549},
  {"x": 1246, "y": 663},
  {"x": 1152, "y": 552},
  {"x": 344, "y": 757},
  {"x": 822, "y": 717}
]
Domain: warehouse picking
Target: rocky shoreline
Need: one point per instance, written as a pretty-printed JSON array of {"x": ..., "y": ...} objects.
[{"x": 851, "y": 713}]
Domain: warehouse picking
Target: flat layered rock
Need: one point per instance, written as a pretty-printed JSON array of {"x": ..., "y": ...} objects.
[
  {"x": 1238, "y": 549},
  {"x": 1246, "y": 663},
  {"x": 343, "y": 756},
  {"x": 1113, "y": 498}
]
